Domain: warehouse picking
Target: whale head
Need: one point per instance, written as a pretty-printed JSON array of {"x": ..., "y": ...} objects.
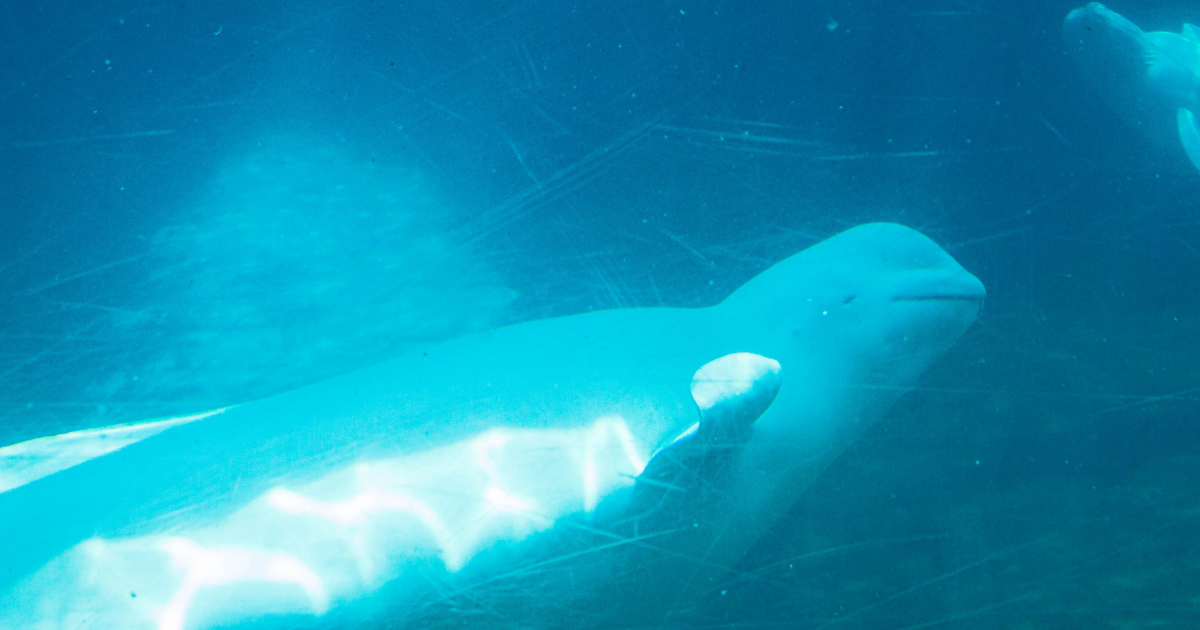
[
  {"x": 852, "y": 322},
  {"x": 1156, "y": 69},
  {"x": 876, "y": 303},
  {"x": 1096, "y": 30}
]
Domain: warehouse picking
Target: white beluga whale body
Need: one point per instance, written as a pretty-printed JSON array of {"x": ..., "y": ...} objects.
[
  {"x": 1153, "y": 76},
  {"x": 593, "y": 469}
]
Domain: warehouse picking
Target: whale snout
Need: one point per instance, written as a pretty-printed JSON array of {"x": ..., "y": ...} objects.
[
  {"x": 941, "y": 285},
  {"x": 935, "y": 305}
]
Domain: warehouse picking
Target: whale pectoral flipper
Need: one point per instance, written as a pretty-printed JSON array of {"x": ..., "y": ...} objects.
[
  {"x": 1189, "y": 134},
  {"x": 730, "y": 393},
  {"x": 1191, "y": 31}
]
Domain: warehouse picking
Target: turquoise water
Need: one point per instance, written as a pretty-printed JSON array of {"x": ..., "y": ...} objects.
[{"x": 205, "y": 204}]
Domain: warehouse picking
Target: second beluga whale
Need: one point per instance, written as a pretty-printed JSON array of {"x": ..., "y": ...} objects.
[
  {"x": 597, "y": 469},
  {"x": 1152, "y": 77}
]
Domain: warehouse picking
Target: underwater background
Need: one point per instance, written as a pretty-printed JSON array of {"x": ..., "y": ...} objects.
[{"x": 206, "y": 203}]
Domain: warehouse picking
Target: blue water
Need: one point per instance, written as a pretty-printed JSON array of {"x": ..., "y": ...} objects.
[{"x": 206, "y": 203}]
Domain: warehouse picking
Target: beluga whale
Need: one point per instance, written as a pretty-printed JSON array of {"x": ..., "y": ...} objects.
[
  {"x": 1153, "y": 78},
  {"x": 601, "y": 469}
]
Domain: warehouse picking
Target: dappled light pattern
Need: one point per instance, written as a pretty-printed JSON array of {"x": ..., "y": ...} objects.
[
  {"x": 300, "y": 550},
  {"x": 206, "y": 568}
]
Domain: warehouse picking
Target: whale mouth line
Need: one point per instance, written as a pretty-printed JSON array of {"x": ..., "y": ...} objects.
[{"x": 939, "y": 297}]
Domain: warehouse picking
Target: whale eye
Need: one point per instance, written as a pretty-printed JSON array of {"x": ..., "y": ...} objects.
[{"x": 848, "y": 299}]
